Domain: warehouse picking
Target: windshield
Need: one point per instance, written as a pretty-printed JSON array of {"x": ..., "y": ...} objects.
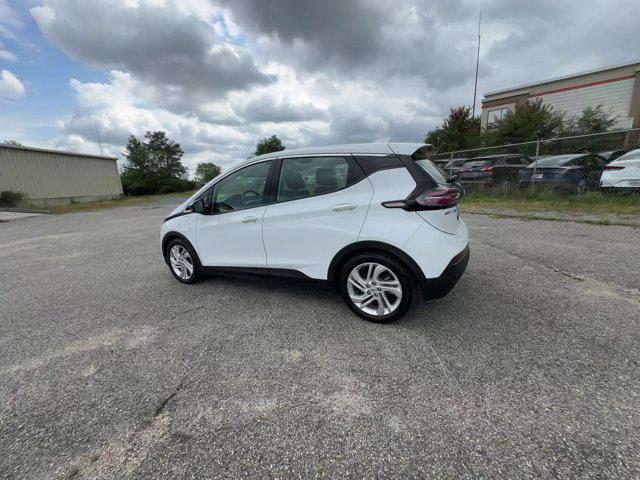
[
  {"x": 632, "y": 155},
  {"x": 438, "y": 175}
]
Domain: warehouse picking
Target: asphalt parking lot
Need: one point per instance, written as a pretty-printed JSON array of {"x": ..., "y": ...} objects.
[{"x": 110, "y": 368}]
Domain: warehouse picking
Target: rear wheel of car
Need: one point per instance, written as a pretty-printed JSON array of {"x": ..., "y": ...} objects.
[
  {"x": 183, "y": 261},
  {"x": 377, "y": 287},
  {"x": 582, "y": 185}
]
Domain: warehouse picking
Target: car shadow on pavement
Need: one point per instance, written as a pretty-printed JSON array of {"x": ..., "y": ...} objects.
[{"x": 326, "y": 303}]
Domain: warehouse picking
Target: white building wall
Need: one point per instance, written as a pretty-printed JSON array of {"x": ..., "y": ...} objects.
[{"x": 615, "y": 97}]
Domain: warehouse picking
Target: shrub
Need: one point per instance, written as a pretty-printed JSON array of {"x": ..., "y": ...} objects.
[{"x": 10, "y": 199}]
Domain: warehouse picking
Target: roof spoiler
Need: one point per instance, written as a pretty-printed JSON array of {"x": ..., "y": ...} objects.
[{"x": 418, "y": 151}]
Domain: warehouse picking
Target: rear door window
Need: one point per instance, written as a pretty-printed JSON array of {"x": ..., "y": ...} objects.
[{"x": 311, "y": 176}]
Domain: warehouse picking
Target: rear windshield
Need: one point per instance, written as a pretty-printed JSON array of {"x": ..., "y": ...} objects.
[
  {"x": 434, "y": 171},
  {"x": 632, "y": 155},
  {"x": 554, "y": 161},
  {"x": 477, "y": 163}
]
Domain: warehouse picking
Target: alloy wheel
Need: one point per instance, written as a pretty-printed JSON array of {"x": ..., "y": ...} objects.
[
  {"x": 181, "y": 262},
  {"x": 374, "y": 289}
]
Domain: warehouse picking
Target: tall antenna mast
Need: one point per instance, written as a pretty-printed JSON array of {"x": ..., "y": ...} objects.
[
  {"x": 475, "y": 87},
  {"x": 99, "y": 141}
]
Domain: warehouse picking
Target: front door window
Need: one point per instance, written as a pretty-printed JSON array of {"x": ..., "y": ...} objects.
[{"x": 245, "y": 188}]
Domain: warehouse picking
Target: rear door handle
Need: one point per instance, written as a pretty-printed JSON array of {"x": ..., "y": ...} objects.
[
  {"x": 249, "y": 219},
  {"x": 343, "y": 207}
]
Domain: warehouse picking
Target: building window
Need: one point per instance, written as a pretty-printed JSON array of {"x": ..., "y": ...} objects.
[{"x": 497, "y": 114}]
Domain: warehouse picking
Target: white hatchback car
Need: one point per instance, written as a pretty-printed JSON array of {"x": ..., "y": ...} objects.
[
  {"x": 623, "y": 174},
  {"x": 373, "y": 220}
]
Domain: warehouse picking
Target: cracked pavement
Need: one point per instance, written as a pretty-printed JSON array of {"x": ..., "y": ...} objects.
[{"x": 112, "y": 369}]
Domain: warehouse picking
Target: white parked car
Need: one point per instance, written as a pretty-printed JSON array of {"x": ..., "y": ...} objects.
[
  {"x": 623, "y": 174},
  {"x": 373, "y": 220}
]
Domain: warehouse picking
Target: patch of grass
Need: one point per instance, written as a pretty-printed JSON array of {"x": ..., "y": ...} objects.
[
  {"x": 548, "y": 201},
  {"x": 124, "y": 202},
  {"x": 533, "y": 217}
]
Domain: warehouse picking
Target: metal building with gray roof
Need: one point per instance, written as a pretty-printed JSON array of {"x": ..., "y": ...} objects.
[{"x": 52, "y": 177}]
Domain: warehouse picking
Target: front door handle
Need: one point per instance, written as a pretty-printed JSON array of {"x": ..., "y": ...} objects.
[
  {"x": 249, "y": 219},
  {"x": 343, "y": 207}
]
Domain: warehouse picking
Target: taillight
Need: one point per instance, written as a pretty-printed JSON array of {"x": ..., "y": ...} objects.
[
  {"x": 441, "y": 197},
  {"x": 488, "y": 169},
  {"x": 613, "y": 167}
]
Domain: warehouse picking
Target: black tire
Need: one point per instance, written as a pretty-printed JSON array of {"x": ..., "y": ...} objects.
[
  {"x": 197, "y": 272},
  {"x": 582, "y": 186},
  {"x": 398, "y": 268}
]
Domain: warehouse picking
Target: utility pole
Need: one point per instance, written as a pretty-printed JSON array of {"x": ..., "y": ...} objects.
[
  {"x": 99, "y": 140},
  {"x": 475, "y": 87}
]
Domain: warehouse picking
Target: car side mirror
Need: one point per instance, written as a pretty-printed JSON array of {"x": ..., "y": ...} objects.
[{"x": 199, "y": 207}]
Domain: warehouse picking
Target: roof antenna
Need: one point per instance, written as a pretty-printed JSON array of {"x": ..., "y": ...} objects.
[
  {"x": 475, "y": 87},
  {"x": 99, "y": 141}
]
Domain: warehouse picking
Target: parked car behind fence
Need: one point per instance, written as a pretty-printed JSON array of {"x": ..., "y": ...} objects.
[
  {"x": 622, "y": 175},
  {"x": 565, "y": 172},
  {"x": 453, "y": 167},
  {"x": 590, "y": 153},
  {"x": 611, "y": 155},
  {"x": 493, "y": 170}
]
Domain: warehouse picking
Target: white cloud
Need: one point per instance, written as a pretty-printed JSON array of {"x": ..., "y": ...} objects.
[
  {"x": 7, "y": 55},
  {"x": 10, "y": 85},
  {"x": 219, "y": 74},
  {"x": 172, "y": 46},
  {"x": 8, "y": 16},
  {"x": 6, "y": 33}
]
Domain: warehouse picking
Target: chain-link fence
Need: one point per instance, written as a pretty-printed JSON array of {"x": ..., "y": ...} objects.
[{"x": 606, "y": 162}]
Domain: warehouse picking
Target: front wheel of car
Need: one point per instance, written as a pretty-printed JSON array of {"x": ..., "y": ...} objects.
[
  {"x": 377, "y": 287},
  {"x": 183, "y": 261}
]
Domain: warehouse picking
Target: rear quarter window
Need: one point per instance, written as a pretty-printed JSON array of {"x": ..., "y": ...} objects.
[
  {"x": 371, "y": 164},
  {"x": 433, "y": 170}
]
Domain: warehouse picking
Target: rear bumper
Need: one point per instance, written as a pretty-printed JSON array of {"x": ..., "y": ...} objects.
[
  {"x": 625, "y": 190},
  {"x": 622, "y": 183},
  {"x": 442, "y": 285}
]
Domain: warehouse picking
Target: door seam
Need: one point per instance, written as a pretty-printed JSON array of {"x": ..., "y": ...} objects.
[{"x": 367, "y": 213}]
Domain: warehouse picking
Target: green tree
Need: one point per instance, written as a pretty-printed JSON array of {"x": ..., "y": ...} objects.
[
  {"x": 530, "y": 121},
  {"x": 206, "y": 171},
  {"x": 592, "y": 120},
  {"x": 460, "y": 130},
  {"x": 268, "y": 145},
  {"x": 154, "y": 166}
]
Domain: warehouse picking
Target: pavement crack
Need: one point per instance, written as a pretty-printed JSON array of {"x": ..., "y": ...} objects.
[
  {"x": 189, "y": 310},
  {"x": 179, "y": 386},
  {"x": 592, "y": 287},
  {"x": 161, "y": 406},
  {"x": 630, "y": 295},
  {"x": 120, "y": 458}
]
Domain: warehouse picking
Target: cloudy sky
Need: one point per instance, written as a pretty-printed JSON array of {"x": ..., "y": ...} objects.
[{"x": 219, "y": 74}]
